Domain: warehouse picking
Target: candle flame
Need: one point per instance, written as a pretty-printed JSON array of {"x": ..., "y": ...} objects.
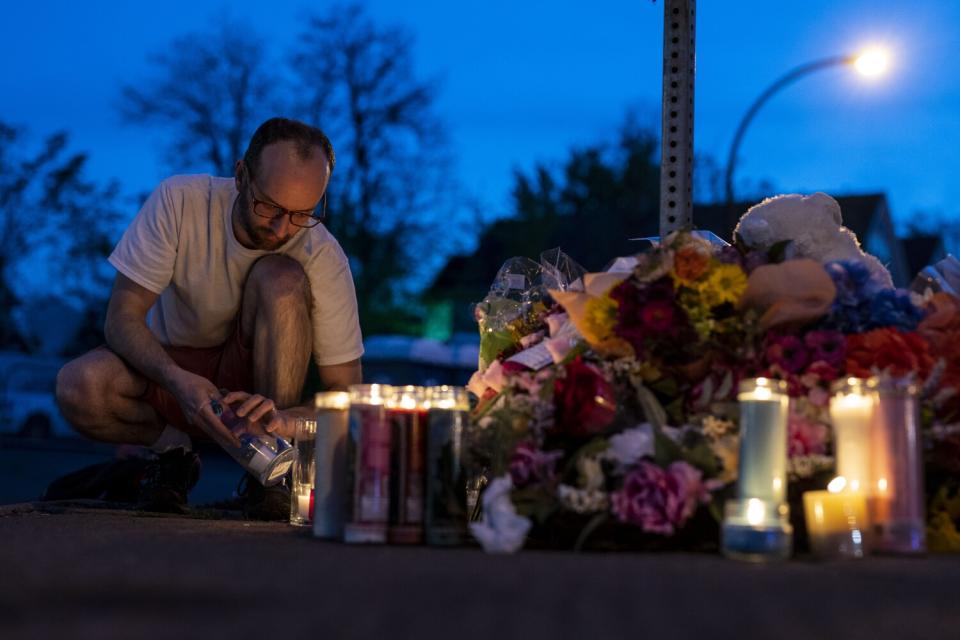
[
  {"x": 837, "y": 485},
  {"x": 882, "y": 485},
  {"x": 756, "y": 511}
]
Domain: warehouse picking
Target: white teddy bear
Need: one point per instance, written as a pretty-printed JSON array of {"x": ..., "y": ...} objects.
[{"x": 814, "y": 225}]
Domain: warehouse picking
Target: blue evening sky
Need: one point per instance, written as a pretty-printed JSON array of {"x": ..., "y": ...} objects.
[{"x": 524, "y": 81}]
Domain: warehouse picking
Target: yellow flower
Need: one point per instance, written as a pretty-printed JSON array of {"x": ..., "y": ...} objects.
[
  {"x": 599, "y": 319},
  {"x": 725, "y": 283}
]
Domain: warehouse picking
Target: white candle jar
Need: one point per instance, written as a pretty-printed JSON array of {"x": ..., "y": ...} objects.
[{"x": 756, "y": 524}]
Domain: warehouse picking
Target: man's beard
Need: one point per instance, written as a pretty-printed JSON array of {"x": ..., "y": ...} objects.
[{"x": 262, "y": 239}]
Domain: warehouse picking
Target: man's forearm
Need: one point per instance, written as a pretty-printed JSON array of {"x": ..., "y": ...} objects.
[{"x": 132, "y": 340}]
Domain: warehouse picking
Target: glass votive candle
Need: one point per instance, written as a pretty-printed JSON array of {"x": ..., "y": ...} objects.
[
  {"x": 445, "y": 518},
  {"x": 330, "y": 483},
  {"x": 836, "y": 520},
  {"x": 304, "y": 473},
  {"x": 756, "y": 524},
  {"x": 852, "y": 405},
  {"x": 896, "y": 495},
  {"x": 407, "y": 412},
  {"x": 368, "y": 465}
]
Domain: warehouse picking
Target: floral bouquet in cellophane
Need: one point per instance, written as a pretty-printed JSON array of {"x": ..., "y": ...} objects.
[{"x": 612, "y": 422}]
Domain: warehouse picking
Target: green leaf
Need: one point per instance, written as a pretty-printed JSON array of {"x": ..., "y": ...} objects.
[
  {"x": 652, "y": 409},
  {"x": 665, "y": 450},
  {"x": 493, "y": 343}
]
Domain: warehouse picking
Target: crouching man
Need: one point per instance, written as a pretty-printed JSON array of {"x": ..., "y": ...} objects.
[{"x": 222, "y": 284}]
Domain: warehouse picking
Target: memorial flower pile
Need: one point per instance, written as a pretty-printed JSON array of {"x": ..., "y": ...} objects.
[{"x": 612, "y": 419}]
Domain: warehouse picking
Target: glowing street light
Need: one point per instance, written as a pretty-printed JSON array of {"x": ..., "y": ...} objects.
[{"x": 870, "y": 63}]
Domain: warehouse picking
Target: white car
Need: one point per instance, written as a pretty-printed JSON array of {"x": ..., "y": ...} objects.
[{"x": 28, "y": 406}]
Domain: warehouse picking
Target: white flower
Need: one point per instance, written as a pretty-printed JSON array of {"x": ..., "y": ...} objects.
[
  {"x": 629, "y": 446},
  {"x": 501, "y": 530},
  {"x": 583, "y": 500}
]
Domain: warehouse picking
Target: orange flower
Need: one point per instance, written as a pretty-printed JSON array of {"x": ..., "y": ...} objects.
[
  {"x": 691, "y": 261},
  {"x": 888, "y": 351}
]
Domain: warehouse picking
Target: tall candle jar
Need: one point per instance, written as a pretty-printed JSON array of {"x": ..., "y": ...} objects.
[
  {"x": 407, "y": 413},
  {"x": 852, "y": 405},
  {"x": 368, "y": 465},
  {"x": 756, "y": 524},
  {"x": 896, "y": 496},
  {"x": 445, "y": 520},
  {"x": 330, "y": 450},
  {"x": 303, "y": 473}
]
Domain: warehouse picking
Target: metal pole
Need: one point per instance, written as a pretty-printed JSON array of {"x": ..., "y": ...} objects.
[
  {"x": 676, "y": 155},
  {"x": 789, "y": 78}
]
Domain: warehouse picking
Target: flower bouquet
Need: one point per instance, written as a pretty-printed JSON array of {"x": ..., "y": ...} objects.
[{"x": 613, "y": 422}]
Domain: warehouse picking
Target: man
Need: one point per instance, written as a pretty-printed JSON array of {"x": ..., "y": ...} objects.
[{"x": 221, "y": 284}]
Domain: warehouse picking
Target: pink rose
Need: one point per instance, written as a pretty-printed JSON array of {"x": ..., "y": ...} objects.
[{"x": 659, "y": 500}]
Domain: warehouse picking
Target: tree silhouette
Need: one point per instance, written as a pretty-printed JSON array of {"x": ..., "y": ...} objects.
[
  {"x": 392, "y": 194},
  {"x": 49, "y": 211},
  {"x": 210, "y": 90}
]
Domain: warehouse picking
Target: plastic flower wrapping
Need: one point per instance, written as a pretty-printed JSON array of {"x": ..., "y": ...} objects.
[{"x": 607, "y": 413}]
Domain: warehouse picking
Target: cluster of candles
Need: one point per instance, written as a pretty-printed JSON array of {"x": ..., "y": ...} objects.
[
  {"x": 383, "y": 464},
  {"x": 874, "y": 504}
]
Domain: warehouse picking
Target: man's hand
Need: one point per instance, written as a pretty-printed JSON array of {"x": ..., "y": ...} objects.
[
  {"x": 196, "y": 396},
  {"x": 255, "y": 409}
]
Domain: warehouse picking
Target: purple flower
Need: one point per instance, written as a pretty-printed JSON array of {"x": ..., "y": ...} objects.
[
  {"x": 754, "y": 259},
  {"x": 729, "y": 255},
  {"x": 659, "y": 500},
  {"x": 788, "y": 352},
  {"x": 529, "y": 464},
  {"x": 828, "y": 346}
]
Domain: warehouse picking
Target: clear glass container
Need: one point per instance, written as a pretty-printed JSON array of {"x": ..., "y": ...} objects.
[
  {"x": 304, "y": 473},
  {"x": 896, "y": 494},
  {"x": 267, "y": 458}
]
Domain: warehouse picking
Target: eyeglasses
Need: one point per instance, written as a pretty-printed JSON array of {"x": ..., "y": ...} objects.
[{"x": 307, "y": 218}]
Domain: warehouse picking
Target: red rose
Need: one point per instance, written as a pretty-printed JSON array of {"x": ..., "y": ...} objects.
[
  {"x": 584, "y": 400},
  {"x": 889, "y": 351}
]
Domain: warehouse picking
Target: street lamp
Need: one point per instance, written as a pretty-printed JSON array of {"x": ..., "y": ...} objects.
[{"x": 872, "y": 62}]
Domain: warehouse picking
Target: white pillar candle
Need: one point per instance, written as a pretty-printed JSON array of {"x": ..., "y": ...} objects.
[
  {"x": 764, "y": 405},
  {"x": 851, "y": 412}
]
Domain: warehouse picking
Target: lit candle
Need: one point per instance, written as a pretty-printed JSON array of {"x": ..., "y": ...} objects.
[
  {"x": 756, "y": 525},
  {"x": 851, "y": 412},
  {"x": 303, "y": 504},
  {"x": 836, "y": 520},
  {"x": 896, "y": 495},
  {"x": 407, "y": 413},
  {"x": 330, "y": 483},
  {"x": 764, "y": 406}
]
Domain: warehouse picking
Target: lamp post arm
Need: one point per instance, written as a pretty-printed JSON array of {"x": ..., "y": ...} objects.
[{"x": 788, "y": 78}]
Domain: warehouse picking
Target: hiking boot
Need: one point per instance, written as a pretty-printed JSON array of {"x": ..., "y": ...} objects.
[
  {"x": 264, "y": 503},
  {"x": 167, "y": 481}
]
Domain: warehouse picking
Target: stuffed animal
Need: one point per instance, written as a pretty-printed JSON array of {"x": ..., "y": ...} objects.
[{"x": 815, "y": 227}]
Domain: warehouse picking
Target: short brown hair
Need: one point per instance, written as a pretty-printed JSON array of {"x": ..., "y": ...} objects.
[{"x": 305, "y": 136}]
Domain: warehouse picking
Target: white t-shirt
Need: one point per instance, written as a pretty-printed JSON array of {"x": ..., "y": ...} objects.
[{"x": 182, "y": 247}]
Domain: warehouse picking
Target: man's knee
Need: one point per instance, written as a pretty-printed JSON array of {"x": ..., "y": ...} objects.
[
  {"x": 82, "y": 387},
  {"x": 277, "y": 277},
  {"x": 75, "y": 389}
]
